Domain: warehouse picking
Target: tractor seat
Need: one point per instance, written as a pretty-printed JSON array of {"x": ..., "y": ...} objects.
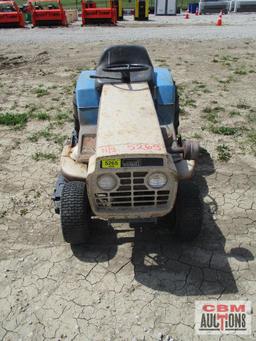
[{"x": 125, "y": 54}]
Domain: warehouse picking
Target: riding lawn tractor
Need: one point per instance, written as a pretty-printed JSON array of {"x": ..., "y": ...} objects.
[{"x": 125, "y": 161}]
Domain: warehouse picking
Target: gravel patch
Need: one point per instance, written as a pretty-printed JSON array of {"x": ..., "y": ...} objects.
[{"x": 235, "y": 26}]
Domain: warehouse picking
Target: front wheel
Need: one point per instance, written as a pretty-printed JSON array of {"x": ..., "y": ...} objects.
[
  {"x": 185, "y": 220},
  {"x": 74, "y": 213},
  {"x": 188, "y": 211}
]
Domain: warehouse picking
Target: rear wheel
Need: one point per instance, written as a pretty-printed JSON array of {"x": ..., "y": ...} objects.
[
  {"x": 75, "y": 115},
  {"x": 177, "y": 110},
  {"x": 75, "y": 213}
]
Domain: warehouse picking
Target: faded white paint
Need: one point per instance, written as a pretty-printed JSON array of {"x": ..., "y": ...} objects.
[{"x": 127, "y": 122}]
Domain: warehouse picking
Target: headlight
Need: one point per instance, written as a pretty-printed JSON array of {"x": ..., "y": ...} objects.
[
  {"x": 157, "y": 180},
  {"x": 106, "y": 182}
]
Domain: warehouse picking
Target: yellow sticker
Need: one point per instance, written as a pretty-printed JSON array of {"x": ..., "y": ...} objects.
[{"x": 111, "y": 163}]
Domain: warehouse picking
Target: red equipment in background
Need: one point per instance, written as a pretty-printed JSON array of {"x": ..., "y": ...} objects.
[
  {"x": 10, "y": 15},
  {"x": 91, "y": 14},
  {"x": 52, "y": 13}
]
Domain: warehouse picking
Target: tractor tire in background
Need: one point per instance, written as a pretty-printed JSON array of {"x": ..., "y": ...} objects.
[
  {"x": 188, "y": 211},
  {"x": 75, "y": 213}
]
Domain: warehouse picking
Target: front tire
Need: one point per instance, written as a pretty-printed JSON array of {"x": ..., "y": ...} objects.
[
  {"x": 188, "y": 211},
  {"x": 185, "y": 219},
  {"x": 74, "y": 213}
]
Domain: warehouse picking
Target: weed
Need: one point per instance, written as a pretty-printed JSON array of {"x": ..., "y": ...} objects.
[
  {"x": 16, "y": 120},
  {"x": 229, "y": 58},
  {"x": 40, "y": 91},
  {"x": 42, "y": 116},
  {"x": 190, "y": 102},
  {"x": 42, "y": 133},
  {"x": 31, "y": 108},
  {"x": 240, "y": 72},
  {"x": 227, "y": 80},
  {"x": 242, "y": 105},
  {"x": 196, "y": 136},
  {"x": 62, "y": 117},
  {"x": 23, "y": 212},
  {"x": 234, "y": 113},
  {"x": 211, "y": 114},
  {"x": 48, "y": 136},
  {"x": 39, "y": 156},
  {"x": 224, "y": 130},
  {"x": 211, "y": 117},
  {"x": 224, "y": 153}
]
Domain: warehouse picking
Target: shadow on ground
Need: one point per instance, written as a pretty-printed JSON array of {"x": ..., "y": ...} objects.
[{"x": 163, "y": 263}]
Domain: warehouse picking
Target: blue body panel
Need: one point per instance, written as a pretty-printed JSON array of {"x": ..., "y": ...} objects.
[
  {"x": 165, "y": 89},
  {"x": 87, "y": 97},
  {"x": 165, "y": 96}
]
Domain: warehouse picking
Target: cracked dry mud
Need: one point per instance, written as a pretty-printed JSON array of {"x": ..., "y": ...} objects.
[{"x": 127, "y": 283}]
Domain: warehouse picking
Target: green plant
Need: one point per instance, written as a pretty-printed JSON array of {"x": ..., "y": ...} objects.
[
  {"x": 40, "y": 92},
  {"x": 62, "y": 117},
  {"x": 228, "y": 80},
  {"x": 224, "y": 153},
  {"x": 43, "y": 156},
  {"x": 211, "y": 114},
  {"x": 16, "y": 120},
  {"x": 234, "y": 113},
  {"x": 211, "y": 117},
  {"x": 197, "y": 136},
  {"x": 23, "y": 211},
  {"x": 42, "y": 133},
  {"x": 224, "y": 130},
  {"x": 42, "y": 116},
  {"x": 240, "y": 72},
  {"x": 48, "y": 135},
  {"x": 242, "y": 105},
  {"x": 31, "y": 108}
]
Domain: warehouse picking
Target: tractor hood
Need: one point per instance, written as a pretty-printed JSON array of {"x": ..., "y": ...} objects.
[{"x": 128, "y": 122}]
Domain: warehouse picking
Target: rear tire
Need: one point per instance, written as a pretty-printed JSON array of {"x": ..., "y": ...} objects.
[
  {"x": 75, "y": 115},
  {"x": 177, "y": 110},
  {"x": 74, "y": 213},
  {"x": 188, "y": 211}
]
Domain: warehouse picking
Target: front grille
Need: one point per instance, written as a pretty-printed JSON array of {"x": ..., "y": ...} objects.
[{"x": 132, "y": 192}]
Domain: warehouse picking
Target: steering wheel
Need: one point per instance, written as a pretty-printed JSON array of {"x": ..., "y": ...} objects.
[{"x": 125, "y": 67}]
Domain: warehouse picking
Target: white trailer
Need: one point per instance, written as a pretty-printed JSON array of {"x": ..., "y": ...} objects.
[{"x": 165, "y": 7}]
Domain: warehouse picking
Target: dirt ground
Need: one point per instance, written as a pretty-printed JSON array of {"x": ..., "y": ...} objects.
[{"x": 126, "y": 284}]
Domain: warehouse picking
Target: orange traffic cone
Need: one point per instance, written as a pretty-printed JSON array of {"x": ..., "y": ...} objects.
[
  {"x": 197, "y": 11},
  {"x": 219, "y": 21},
  {"x": 186, "y": 15}
]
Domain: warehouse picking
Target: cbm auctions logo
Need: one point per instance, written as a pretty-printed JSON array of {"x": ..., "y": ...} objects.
[{"x": 223, "y": 317}]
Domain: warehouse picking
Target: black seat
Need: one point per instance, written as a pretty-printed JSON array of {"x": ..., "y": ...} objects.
[{"x": 124, "y": 54}]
